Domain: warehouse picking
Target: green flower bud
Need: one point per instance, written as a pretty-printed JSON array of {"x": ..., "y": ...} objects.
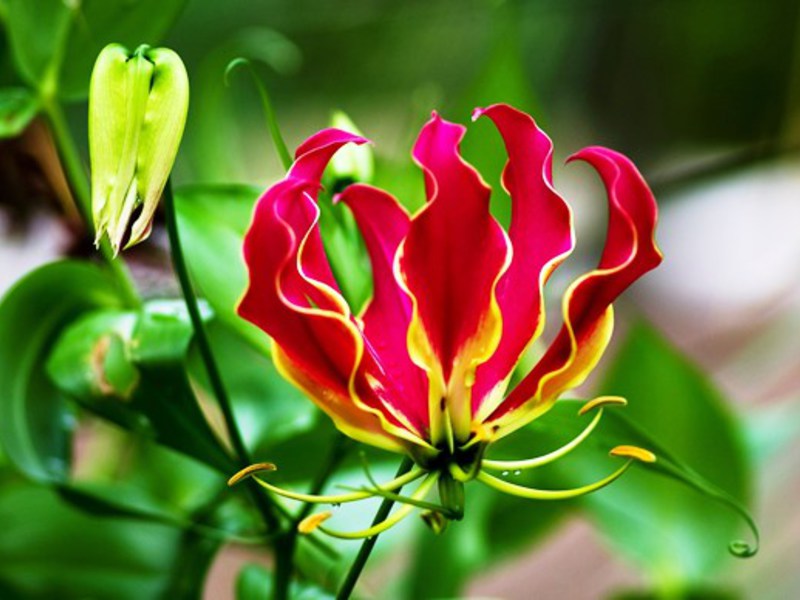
[
  {"x": 353, "y": 163},
  {"x": 137, "y": 110}
]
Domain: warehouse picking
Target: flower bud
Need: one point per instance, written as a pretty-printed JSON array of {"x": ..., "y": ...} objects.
[
  {"x": 137, "y": 110},
  {"x": 353, "y": 163}
]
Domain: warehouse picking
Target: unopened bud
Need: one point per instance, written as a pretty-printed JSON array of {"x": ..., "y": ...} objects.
[
  {"x": 137, "y": 111},
  {"x": 354, "y": 162}
]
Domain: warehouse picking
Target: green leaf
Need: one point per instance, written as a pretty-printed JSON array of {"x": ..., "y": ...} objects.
[
  {"x": 130, "y": 368},
  {"x": 34, "y": 420},
  {"x": 255, "y": 583},
  {"x": 54, "y": 43},
  {"x": 676, "y": 534},
  {"x": 268, "y": 408},
  {"x": 51, "y": 550},
  {"x": 18, "y": 107},
  {"x": 212, "y": 221}
]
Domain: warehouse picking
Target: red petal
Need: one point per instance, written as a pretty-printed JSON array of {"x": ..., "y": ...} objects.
[
  {"x": 450, "y": 264},
  {"x": 630, "y": 252},
  {"x": 294, "y": 298},
  {"x": 541, "y": 237},
  {"x": 384, "y": 224}
]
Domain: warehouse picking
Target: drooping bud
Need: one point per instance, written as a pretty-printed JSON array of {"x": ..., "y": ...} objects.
[{"x": 138, "y": 104}]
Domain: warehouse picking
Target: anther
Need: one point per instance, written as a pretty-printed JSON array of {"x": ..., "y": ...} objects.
[
  {"x": 252, "y": 469},
  {"x": 634, "y": 452},
  {"x": 311, "y": 522}
]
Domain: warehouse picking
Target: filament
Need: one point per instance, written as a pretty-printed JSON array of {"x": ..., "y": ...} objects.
[
  {"x": 334, "y": 498},
  {"x": 538, "y": 461},
  {"x": 391, "y": 521},
  {"x": 534, "y": 494}
]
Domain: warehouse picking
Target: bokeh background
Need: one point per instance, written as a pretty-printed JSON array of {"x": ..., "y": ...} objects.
[{"x": 704, "y": 95}]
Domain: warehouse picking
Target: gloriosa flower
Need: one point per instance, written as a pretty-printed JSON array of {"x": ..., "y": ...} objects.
[{"x": 424, "y": 369}]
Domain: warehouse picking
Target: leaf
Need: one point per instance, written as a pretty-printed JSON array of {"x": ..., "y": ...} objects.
[
  {"x": 51, "y": 550},
  {"x": 18, "y": 107},
  {"x": 212, "y": 220},
  {"x": 130, "y": 368},
  {"x": 34, "y": 420},
  {"x": 675, "y": 533},
  {"x": 268, "y": 409},
  {"x": 675, "y": 403},
  {"x": 495, "y": 527},
  {"x": 255, "y": 583},
  {"x": 55, "y": 43}
]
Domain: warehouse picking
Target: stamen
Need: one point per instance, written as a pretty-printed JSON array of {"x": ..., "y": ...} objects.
[
  {"x": 311, "y": 522},
  {"x": 391, "y": 521},
  {"x": 534, "y": 494},
  {"x": 538, "y": 461},
  {"x": 247, "y": 471},
  {"x": 634, "y": 452},
  {"x": 383, "y": 492},
  {"x": 398, "y": 482},
  {"x": 601, "y": 401}
]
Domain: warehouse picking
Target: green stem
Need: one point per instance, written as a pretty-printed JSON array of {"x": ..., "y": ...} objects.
[
  {"x": 360, "y": 561},
  {"x": 287, "y": 544},
  {"x": 263, "y": 503},
  {"x": 79, "y": 185}
]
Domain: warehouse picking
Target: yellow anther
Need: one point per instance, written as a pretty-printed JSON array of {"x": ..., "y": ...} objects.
[
  {"x": 635, "y": 453},
  {"x": 311, "y": 522},
  {"x": 602, "y": 401},
  {"x": 247, "y": 471}
]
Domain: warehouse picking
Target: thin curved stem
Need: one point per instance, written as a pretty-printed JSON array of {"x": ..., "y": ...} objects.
[
  {"x": 203, "y": 345},
  {"x": 346, "y": 589},
  {"x": 531, "y": 463},
  {"x": 269, "y": 112},
  {"x": 533, "y": 494},
  {"x": 79, "y": 185}
]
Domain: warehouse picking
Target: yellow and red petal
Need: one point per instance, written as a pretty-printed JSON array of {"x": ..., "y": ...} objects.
[
  {"x": 384, "y": 224},
  {"x": 293, "y": 296},
  {"x": 630, "y": 251},
  {"x": 541, "y": 235},
  {"x": 449, "y": 264}
]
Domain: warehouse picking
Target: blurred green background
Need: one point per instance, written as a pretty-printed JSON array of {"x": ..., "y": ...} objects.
[{"x": 704, "y": 95}]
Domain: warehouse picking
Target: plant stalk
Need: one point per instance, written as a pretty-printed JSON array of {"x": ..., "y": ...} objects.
[
  {"x": 349, "y": 584},
  {"x": 263, "y": 503}
]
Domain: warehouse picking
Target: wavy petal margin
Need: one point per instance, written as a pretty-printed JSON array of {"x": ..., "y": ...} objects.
[
  {"x": 450, "y": 264},
  {"x": 293, "y": 297},
  {"x": 384, "y": 224},
  {"x": 542, "y": 236},
  {"x": 630, "y": 251}
]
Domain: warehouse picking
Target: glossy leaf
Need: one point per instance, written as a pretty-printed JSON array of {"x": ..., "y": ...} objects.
[
  {"x": 255, "y": 583},
  {"x": 675, "y": 533},
  {"x": 165, "y": 395},
  {"x": 268, "y": 408},
  {"x": 55, "y": 43},
  {"x": 34, "y": 420},
  {"x": 495, "y": 527},
  {"x": 130, "y": 368},
  {"x": 49, "y": 549},
  {"x": 18, "y": 107},
  {"x": 212, "y": 221}
]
